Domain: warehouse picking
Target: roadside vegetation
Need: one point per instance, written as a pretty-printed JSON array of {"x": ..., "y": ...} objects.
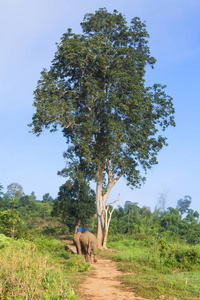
[
  {"x": 35, "y": 263},
  {"x": 39, "y": 269},
  {"x": 159, "y": 251},
  {"x": 156, "y": 268}
]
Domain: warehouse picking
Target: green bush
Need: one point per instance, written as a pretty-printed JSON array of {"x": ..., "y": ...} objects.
[
  {"x": 186, "y": 259},
  {"x": 51, "y": 245},
  {"x": 158, "y": 254},
  {"x": 26, "y": 273},
  {"x": 115, "y": 238},
  {"x": 11, "y": 224},
  {"x": 4, "y": 241},
  {"x": 54, "y": 230}
]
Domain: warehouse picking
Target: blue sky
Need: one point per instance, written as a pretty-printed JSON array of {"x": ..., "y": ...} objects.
[{"x": 28, "y": 33}]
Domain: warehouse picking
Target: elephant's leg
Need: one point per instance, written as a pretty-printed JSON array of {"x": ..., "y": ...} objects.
[
  {"x": 90, "y": 251},
  {"x": 94, "y": 250},
  {"x": 87, "y": 257},
  {"x": 79, "y": 250},
  {"x": 87, "y": 253},
  {"x": 76, "y": 249}
]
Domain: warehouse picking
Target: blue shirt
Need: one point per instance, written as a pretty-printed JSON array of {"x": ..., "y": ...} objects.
[
  {"x": 86, "y": 229},
  {"x": 79, "y": 229}
]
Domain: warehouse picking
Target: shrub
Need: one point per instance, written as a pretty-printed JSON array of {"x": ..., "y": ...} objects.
[
  {"x": 11, "y": 224},
  {"x": 54, "y": 230},
  {"x": 4, "y": 241},
  {"x": 27, "y": 274},
  {"x": 52, "y": 246},
  {"x": 116, "y": 238}
]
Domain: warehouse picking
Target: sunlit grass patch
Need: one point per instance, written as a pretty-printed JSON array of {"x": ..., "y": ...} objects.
[
  {"x": 25, "y": 273},
  {"x": 77, "y": 264},
  {"x": 171, "y": 286},
  {"x": 158, "y": 269}
]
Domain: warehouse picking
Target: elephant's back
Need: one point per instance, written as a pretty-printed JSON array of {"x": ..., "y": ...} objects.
[
  {"x": 77, "y": 236},
  {"x": 88, "y": 236}
]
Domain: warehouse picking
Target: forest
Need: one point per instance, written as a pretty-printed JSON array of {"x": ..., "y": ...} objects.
[
  {"x": 179, "y": 223},
  {"x": 163, "y": 242}
]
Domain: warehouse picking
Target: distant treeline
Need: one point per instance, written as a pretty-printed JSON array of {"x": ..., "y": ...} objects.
[
  {"x": 23, "y": 212},
  {"x": 169, "y": 223}
]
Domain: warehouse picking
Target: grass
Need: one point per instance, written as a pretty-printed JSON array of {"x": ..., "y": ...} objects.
[
  {"x": 153, "y": 285},
  {"x": 29, "y": 270},
  {"x": 43, "y": 269},
  {"x": 156, "y": 269}
]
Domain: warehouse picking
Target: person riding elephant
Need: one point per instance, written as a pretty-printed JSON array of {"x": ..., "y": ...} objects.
[
  {"x": 86, "y": 227},
  {"x": 76, "y": 239},
  {"x": 79, "y": 229},
  {"x": 88, "y": 243}
]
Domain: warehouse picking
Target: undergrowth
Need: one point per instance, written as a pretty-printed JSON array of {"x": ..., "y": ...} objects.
[
  {"x": 36, "y": 270},
  {"x": 157, "y": 269}
]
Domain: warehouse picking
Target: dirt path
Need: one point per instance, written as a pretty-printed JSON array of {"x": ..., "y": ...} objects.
[{"x": 102, "y": 283}]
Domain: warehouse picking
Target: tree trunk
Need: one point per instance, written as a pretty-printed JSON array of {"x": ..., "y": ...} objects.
[
  {"x": 105, "y": 238},
  {"x": 106, "y": 229},
  {"x": 101, "y": 204},
  {"x": 78, "y": 222},
  {"x": 128, "y": 220},
  {"x": 107, "y": 221},
  {"x": 100, "y": 213}
]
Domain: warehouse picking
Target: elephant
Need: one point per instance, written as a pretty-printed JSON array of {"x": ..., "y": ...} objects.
[
  {"x": 88, "y": 243},
  {"x": 76, "y": 240}
]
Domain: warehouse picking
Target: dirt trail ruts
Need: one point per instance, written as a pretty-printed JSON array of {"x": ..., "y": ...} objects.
[{"x": 102, "y": 283}]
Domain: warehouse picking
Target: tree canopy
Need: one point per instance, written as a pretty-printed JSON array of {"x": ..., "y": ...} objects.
[
  {"x": 15, "y": 190},
  {"x": 95, "y": 92},
  {"x": 1, "y": 188},
  {"x": 75, "y": 203},
  {"x": 183, "y": 204}
]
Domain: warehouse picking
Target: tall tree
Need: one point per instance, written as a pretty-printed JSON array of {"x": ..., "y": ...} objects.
[
  {"x": 1, "y": 188},
  {"x": 183, "y": 204},
  {"x": 129, "y": 207},
  {"x": 75, "y": 203},
  {"x": 95, "y": 92},
  {"x": 15, "y": 190},
  {"x": 162, "y": 201},
  {"x": 47, "y": 198}
]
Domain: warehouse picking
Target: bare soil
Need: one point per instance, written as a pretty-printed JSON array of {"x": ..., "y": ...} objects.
[{"x": 103, "y": 283}]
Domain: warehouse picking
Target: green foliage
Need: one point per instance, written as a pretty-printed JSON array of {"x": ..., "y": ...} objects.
[
  {"x": 77, "y": 263},
  {"x": 47, "y": 198},
  {"x": 27, "y": 206},
  {"x": 158, "y": 254},
  {"x": 26, "y": 273},
  {"x": 50, "y": 245},
  {"x": 1, "y": 188},
  {"x": 153, "y": 285},
  {"x": 141, "y": 222},
  {"x": 183, "y": 204},
  {"x": 15, "y": 190},
  {"x": 75, "y": 200},
  {"x": 95, "y": 92},
  {"x": 51, "y": 230},
  {"x": 187, "y": 258},
  {"x": 156, "y": 267},
  {"x": 11, "y": 224},
  {"x": 4, "y": 241},
  {"x": 116, "y": 238}
]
